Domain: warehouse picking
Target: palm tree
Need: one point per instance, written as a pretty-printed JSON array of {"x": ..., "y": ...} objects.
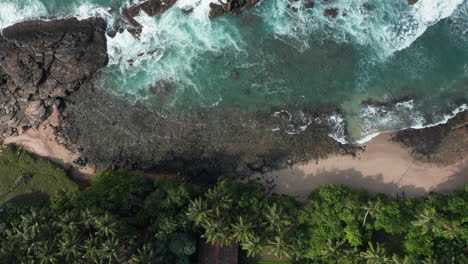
[
  {"x": 371, "y": 208},
  {"x": 90, "y": 249},
  {"x": 332, "y": 250},
  {"x": 145, "y": 255},
  {"x": 67, "y": 223},
  {"x": 242, "y": 231},
  {"x": 110, "y": 250},
  {"x": 406, "y": 260},
  {"x": 106, "y": 225},
  {"x": 45, "y": 255},
  {"x": 279, "y": 247},
  {"x": 276, "y": 220},
  {"x": 427, "y": 220},
  {"x": 70, "y": 247},
  {"x": 198, "y": 211},
  {"x": 218, "y": 199},
  {"x": 375, "y": 255},
  {"x": 429, "y": 260},
  {"x": 451, "y": 230},
  {"x": 88, "y": 219},
  {"x": 216, "y": 232},
  {"x": 253, "y": 247}
]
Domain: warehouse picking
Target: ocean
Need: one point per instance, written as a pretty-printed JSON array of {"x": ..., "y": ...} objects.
[{"x": 378, "y": 66}]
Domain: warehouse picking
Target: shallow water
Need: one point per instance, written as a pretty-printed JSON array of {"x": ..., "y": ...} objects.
[{"x": 414, "y": 58}]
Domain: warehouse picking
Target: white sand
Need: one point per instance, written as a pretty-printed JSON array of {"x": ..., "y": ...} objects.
[{"x": 384, "y": 167}]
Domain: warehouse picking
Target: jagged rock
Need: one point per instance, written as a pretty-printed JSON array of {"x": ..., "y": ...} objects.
[
  {"x": 216, "y": 10},
  {"x": 187, "y": 10},
  {"x": 331, "y": 12},
  {"x": 35, "y": 112},
  {"x": 44, "y": 60},
  {"x": 234, "y": 7},
  {"x": 309, "y": 4}
]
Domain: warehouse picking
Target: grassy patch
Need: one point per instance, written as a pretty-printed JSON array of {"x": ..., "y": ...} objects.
[{"x": 24, "y": 176}]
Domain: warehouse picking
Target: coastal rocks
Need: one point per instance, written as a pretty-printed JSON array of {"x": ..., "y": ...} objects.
[
  {"x": 41, "y": 61},
  {"x": 216, "y": 10},
  {"x": 234, "y": 7},
  {"x": 331, "y": 12},
  {"x": 443, "y": 144},
  {"x": 309, "y": 4},
  {"x": 150, "y": 7},
  {"x": 412, "y": 2}
]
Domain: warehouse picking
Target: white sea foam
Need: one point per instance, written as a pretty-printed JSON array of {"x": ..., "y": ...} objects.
[
  {"x": 338, "y": 127},
  {"x": 15, "y": 11},
  {"x": 389, "y": 27},
  {"x": 395, "y": 120}
]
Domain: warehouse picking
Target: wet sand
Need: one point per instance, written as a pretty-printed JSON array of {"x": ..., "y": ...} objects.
[{"x": 383, "y": 167}]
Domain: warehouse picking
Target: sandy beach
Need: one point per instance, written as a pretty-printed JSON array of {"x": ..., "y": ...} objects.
[
  {"x": 43, "y": 142},
  {"x": 383, "y": 167}
]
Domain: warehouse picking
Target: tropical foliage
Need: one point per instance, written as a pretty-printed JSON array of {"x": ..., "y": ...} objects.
[{"x": 127, "y": 218}]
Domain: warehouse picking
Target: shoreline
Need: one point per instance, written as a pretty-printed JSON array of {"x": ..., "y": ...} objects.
[
  {"x": 43, "y": 142},
  {"x": 385, "y": 166}
]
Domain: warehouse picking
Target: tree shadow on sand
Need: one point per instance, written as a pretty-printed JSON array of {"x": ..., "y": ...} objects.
[{"x": 300, "y": 184}]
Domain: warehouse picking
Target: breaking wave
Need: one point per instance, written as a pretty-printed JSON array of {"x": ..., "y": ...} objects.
[{"x": 282, "y": 53}]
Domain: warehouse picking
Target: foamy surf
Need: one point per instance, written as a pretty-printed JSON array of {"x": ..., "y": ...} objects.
[
  {"x": 274, "y": 56},
  {"x": 12, "y": 12}
]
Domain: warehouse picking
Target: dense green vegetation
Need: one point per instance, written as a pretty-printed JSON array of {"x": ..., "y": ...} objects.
[
  {"x": 23, "y": 174},
  {"x": 123, "y": 217}
]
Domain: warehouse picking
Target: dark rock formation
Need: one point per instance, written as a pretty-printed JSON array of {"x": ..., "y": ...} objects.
[
  {"x": 187, "y": 10},
  {"x": 444, "y": 143},
  {"x": 216, "y": 10},
  {"x": 150, "y": 7},
  {"x": 331, "y": 12},
  {"x": 309, "y": 4},
  {"x": 412, "y": 2},
  {"x": 234, "y": 7},
  {"x": 42, "y": 62},
  {"x": 113, "y": 133}
]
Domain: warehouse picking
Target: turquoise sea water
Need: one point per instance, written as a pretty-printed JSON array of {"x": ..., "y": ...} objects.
[{"x": 415, "y": 58}]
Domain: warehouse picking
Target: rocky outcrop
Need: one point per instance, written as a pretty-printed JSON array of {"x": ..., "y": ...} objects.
[
  {"x": 331, "y": 12},
  {"x": 412, "y": 2},
  {"x": 41, "y": 62},
  {"x": 150, "y": 7},
  {"x": 234, "y": 7}
]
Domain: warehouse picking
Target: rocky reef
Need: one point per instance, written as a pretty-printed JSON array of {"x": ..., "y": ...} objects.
[
  {"x": 41, "y": 62},
  {"x": 443, "y": 144}
]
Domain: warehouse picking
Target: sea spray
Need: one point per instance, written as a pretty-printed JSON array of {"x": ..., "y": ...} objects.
[
  {"x": 15, "y": 11},
  {"x": 288, "y": 56}
]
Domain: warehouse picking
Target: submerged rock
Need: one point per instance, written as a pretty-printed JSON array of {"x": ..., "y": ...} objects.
[
  {"x": 44, "y": 60},
  {"x": 234, "y": 7},
  {"x": 331, "y": 12},
  {"x": 309, "y": 4},
  {"x": 234, "y": 75}
]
